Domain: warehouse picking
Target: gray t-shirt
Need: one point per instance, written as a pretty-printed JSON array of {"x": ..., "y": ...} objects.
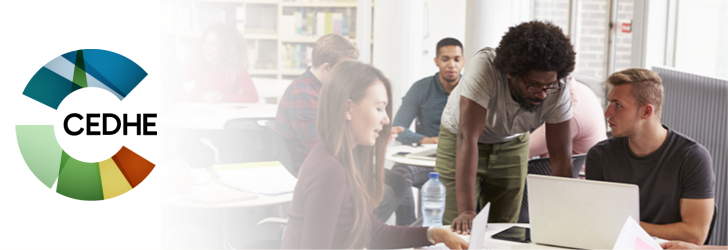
[
  {"x": 680, "y": 168},
  {"x": 505, "y": 120}
]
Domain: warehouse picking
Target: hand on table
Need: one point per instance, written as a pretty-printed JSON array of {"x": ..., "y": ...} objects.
[
  {"x": 463, "y": 223},
  {"x": 451, "y": 240},
  {"x": 429, "y": 140}
]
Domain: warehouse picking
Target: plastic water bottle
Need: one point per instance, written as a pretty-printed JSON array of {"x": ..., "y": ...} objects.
[{"x": 433, "y": 201}]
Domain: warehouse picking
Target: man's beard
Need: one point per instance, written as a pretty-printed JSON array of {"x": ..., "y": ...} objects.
[
  {"x": 522, "y": 102},
  {"x": 455, "y": 79}
]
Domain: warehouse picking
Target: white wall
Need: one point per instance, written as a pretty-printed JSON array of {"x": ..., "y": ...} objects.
[
  {"x": 446, "y": 19},
  {"x": 398, "y": 43},
  {"x": 488, "y": 20},
  {"x": 404, "y": 54}
]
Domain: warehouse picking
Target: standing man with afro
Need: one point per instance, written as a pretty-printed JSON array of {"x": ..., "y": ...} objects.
[{"x": 482, "y": 153}]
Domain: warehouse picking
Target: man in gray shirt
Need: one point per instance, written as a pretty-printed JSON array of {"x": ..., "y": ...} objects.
[
  {"x": 674, "y": 173},
  {"x": 482, "y": 152}
]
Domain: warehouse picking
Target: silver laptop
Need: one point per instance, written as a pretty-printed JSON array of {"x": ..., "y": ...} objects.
[{"x": 579, "y": 213}]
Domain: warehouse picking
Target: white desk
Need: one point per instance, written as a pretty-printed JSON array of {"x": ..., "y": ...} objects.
[
  {"x": 177, "y": 202},
  {"x": 491, "y": 243},
  {"x": 271, "y": 88},
  {"x": 262, "y": 200},
  {"x": 214, "y": 115},
  {"x": 410, "y": 149}
]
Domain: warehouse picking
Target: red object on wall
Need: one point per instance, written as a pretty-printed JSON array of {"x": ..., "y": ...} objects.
[{"x": 627, "y": 27}]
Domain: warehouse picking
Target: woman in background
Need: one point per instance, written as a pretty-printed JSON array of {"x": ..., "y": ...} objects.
[
  {"x": 219, "y": 69},
  {"x": 342, "y": 179}
]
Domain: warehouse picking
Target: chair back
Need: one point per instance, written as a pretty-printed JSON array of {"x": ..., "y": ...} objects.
[
  {"x": 254, "y": 140},
  {"x": 578, "y": 162},
  {"x": 712, "y": 224},
  {"x": 281, "y": 148},
  {"x": 541, "y": 166}
]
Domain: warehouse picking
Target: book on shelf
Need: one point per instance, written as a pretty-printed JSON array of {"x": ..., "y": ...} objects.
[
  {"x": 297, "y": 16},
  {"x": 296, "y": 56},
  {"x": 309, "y": 24},
  {"x": 337, "y": 19},
  {"x": 309, "y": 53},
  {"x": 345, "y": 25},
  {"x": 329, "y": 24},
  {"x": 287, "y": 54},
  {"x": 320, "y": 23},
  {"x": 316, "y": 24}
]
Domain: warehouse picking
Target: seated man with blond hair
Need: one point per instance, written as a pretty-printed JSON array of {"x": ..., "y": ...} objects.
[{"x": 674, "y": 172}]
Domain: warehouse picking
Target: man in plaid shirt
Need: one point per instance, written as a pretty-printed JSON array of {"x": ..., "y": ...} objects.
[{"x": 296, "y": 117}]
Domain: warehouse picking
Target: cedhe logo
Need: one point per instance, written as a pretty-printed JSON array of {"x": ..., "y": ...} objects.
[{"x": 84, "y": 149}]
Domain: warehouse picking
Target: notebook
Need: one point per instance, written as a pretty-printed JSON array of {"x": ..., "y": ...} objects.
[{"x": 428, "y": 154}]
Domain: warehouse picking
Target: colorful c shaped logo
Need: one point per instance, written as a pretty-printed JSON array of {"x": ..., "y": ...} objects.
[{"x": 39, "y": 147}]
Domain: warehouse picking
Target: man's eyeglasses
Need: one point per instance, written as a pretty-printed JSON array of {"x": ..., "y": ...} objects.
[{"x": 550, "y": 89}]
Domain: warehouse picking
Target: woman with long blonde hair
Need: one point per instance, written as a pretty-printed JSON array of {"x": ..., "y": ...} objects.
[{"x": 342, "y": 180}]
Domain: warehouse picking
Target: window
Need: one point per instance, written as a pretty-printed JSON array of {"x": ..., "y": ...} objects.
[
  {"x": 591, "y": 39},
  {"x": 623, "y": 35},
  {"x": 701, "y": 40},
  {"x": 601, "y": 32}
]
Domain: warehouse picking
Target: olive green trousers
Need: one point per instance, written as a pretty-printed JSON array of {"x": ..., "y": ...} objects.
[{"x": 499, "y": 179}]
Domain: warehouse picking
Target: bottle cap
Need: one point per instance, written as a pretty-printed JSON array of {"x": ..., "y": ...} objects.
[{"x": 434, "y": 175}]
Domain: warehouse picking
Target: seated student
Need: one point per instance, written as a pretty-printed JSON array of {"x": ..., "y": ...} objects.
[
  {"x": 341, "y": 180},
  {"x": 425, "y": 100},
  {"x": 296, "y": 116},
  {"x": 674, "y": 173},
  {"x": 219, "y": 70},
  {"x": 587, "y": 123}
]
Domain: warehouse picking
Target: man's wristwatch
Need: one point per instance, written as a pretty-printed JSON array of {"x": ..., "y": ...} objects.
[{"x": 429, "y": 235}]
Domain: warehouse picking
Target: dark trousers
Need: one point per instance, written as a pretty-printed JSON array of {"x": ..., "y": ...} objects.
[
  {"x": 395, "y": 189},
  {"x": 416, "y": 176}
]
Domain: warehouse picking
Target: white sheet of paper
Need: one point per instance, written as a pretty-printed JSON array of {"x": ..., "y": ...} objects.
[
  {"x": 633, "y": 236},
  {"x": 477, "y": 233},
  {"x": 260, "y": 180}
]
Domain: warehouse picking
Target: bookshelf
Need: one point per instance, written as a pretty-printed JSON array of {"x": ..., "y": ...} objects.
[
  {"x": 345, "y": 4},
  {"x": 280, "y": 33}
]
